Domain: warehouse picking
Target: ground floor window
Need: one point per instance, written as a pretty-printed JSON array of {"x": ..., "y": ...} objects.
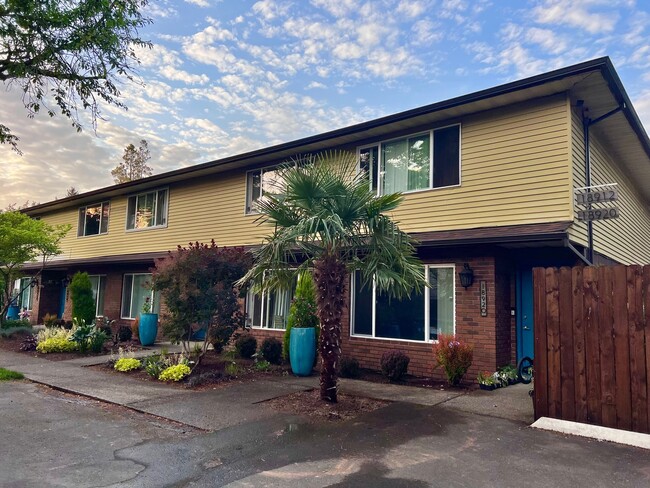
[
  {"x": 99, "y": 288},
  {"x": 270, "y": 310},
  {"x": 136, "y": 289},
  {"x": 421, "y": 317},
  {"x": 23, "y": 292}
]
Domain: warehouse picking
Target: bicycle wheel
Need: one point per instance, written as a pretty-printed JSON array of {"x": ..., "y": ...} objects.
[{"x": 525, "y": 370}]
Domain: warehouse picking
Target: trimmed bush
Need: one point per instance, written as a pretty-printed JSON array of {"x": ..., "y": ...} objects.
[
  {"x": 175, "y": 373},
  {"x": 13, "y": 324},
  {"x": 349, "y": 368},
  {"x": 246, "y": 346},
  {"x": 219, "y": 336},
  {"x": 125, "y": 334},
  {"x": 394, "y": 364},
  {"x": 454, "y": 356},
  {"x": 271, "y": 350},
  {"x": 81, "y": 293},
  {"x": 127, "y": 364}
]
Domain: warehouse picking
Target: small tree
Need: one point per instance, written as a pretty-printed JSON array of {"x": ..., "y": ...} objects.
[
  {"x": 71, "y": 192},
  {"x": 23, "y": 240},
  {"x": 81, "y": 293},
  {"x": 134, "y": 164},
  {"x": 303, "y": 311},
  {"x": 198, "y": 285}
]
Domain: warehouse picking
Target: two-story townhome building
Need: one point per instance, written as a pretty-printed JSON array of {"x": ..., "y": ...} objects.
[{"x": 489, "y": 182}]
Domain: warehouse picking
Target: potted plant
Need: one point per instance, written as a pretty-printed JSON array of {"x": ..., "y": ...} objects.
[
  {"x": 509, "y": 373},
  {"x": 486, "y": 381},
  {"x": 302, "y": 326},
  {"x": 148, "y": 326}
]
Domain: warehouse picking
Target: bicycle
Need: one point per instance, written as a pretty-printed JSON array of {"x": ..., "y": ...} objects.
[{"x": 525, "y": 370}]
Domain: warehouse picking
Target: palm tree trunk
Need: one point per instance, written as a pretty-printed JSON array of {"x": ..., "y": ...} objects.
[{"x": 329, "y": 277}]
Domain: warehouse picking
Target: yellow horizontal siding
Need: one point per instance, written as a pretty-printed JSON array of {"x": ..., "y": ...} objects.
[
  {"x": 626, "y": 239},
  {"x": 515, "y": 170}
]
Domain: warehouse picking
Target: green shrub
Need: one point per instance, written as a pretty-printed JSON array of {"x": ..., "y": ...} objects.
[
  {"x": 154, "y": 365},
  {"x": 219, "y": 336},
  {"x": 349, "y": 368},
  {"x": 454, "y": 357},
  {"x": 15, "y": 331},
  {"x": 81, "y": 293},
  {"x": 97, "y": 340},
  {"x": 54, "y": 333},
  {"x": 125, "y": 333},
  {"x": 175, "y": 373},
  {"x": 127, "y": 364},
  {"x": 232, "y": 369},
  {"x": 303, "y": 310},
  {"x": 246, "y": 346},
  {"x": 56, "y": 344},
  {"x": 263, "y": 365},
  {"x": 394, "y": 364},
  {"x": 271, "y": 350},
  {"x": 88, "y": 337},
  {"x": 13, "y": 324}
]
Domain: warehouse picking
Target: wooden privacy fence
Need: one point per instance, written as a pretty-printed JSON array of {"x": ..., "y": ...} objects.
[{"x": 592, "y": 345}]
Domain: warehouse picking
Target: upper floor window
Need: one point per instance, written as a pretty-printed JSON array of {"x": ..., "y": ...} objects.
[
  {"x": 260, "y": 182},
  {"x": 93, "y": 219},
  {"x": 418, "y": 162},
  {"x": 147, "y": 210}
]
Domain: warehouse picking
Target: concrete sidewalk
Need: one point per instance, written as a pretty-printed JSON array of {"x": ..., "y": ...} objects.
[{"x": 234, "y": 404}]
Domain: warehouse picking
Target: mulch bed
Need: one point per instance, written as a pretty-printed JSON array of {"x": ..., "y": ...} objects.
[
  {"x": 415, "y": 381},
  {"x": 309, "y": 404}
]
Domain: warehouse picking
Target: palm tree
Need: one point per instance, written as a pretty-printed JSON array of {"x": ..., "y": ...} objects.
[{"x": 327, "y": 220}]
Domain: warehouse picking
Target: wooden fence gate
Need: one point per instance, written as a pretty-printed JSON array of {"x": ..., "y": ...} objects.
[{"x": 592, "y": 345}]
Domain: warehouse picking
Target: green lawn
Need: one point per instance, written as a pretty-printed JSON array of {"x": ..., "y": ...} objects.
[{"x": 7, "y": 374}]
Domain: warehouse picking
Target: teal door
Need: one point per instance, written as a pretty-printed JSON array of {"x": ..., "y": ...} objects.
[
  {"x": 62, "y": 296},
  {"x": 525, "y": 329}
]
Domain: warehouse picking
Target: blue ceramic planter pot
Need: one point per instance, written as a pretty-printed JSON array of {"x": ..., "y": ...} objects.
[
  {"x": 302, "y": 350},
  {"x": 12, "y": 312},
  {"x": 148, "y": 328},
  {"x": 198, "y": 335}
]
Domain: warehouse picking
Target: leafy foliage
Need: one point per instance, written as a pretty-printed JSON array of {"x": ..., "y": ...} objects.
[
  {"x": 29, "y": 343},
  {"x": 246, "y": 346},
  {"x": 198, "y": 285},
  {"x": 326, "y": 219},
  {"x": 56, "y": 344},
  {"x": 394, "y": 364},
  {"x": 175, "y": 373},
  {"x": 271, "y": 350},
  {"x": 14, "y": 323},
  {"x": 134, "y": 164},
  {"x": 70, "y": 53},
  {"x": 303, "y": 309},
  {"x": 454, "y": 356},
  {"x": 154, "y": 365},
  {"x": 83, "y": 302},
  {"x": 219, "y": 336},
  {"x": 127, "y": 364},
  {"x": 13, "y": 331},
  {"x": 349, "y": 368},
  {"x": 22, "y": 240}
]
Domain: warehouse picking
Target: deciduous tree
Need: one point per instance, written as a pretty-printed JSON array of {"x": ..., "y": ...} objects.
[
  {"x": 68, "y": 54},
  {"x": 134, "y": 164}
]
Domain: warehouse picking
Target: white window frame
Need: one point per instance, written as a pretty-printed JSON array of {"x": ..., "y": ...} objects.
[
  {"x": 30, "y": 289},
  {"x": 380, "y": 162},
  {"x": 263, "y": 304},
  {"x": 102, "y": 278},
  {"x": 101, "y": 218},
  {"x": 426, "y": 310},
  {"x": 136, "y": 196},
  {"x": 248, "y": 205},
  {"x": 131, "y": 303}
]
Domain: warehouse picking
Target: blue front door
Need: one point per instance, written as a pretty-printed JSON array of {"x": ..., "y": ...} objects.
[
  {"x": 62, "y": 296},
  {"x": 525, "y": 335}
]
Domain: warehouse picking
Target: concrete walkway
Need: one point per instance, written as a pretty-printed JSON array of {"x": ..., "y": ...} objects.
[{"x": 235, "y": 404}]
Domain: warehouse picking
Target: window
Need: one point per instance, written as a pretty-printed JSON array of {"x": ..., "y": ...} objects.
[
  {"x": 147, "y": 210},
  {"x": 418, "y": 318},
  {"x": 135, "y": 291},
  {"x": 260, "y": 182},
  {"x": 271, "y": 310},
  {"x": 418, "y": 162},
  {"x": 99, "y": 286},
  {"x": 23, "y": 290},
  {"x": 93, "y": 219}
]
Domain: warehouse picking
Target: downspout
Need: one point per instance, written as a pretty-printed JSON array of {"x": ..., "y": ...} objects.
[{"x": 586, "y": 124}]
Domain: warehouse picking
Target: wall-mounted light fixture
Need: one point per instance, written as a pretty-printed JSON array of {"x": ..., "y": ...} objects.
[{"x": 466, "y": 276}]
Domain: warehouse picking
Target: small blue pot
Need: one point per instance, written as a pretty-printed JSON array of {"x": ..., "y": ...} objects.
[
  {"x": 302, "y": 350},
  {"x": 148, "y": 328},
  {"x": 198, "y": 335}
]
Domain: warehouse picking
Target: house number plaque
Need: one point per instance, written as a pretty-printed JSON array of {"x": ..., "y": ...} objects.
[{"x": 483, "y": 299}]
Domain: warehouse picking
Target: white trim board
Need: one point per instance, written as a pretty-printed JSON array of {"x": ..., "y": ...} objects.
[{"x": 597, "y": 432}]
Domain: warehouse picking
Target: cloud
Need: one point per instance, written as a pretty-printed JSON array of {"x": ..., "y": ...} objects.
[
  {"x": 200, "y": 3},
  {"x": 576, "y": 13}
]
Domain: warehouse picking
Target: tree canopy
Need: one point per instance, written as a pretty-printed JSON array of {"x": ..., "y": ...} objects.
[
  {"x": 22, "y": 240},
  {"x": 326, "y": 219},
  {"x": 134, "y": 164},
  {"x": 68, "y": 53}
]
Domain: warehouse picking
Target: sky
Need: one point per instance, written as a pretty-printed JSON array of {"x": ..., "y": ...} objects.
[{"x": 230, "y": 76}]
